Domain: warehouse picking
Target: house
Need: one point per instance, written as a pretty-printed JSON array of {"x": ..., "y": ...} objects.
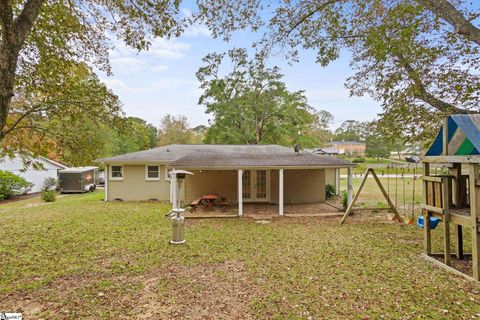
[
  {"x": 329, "y": 151},
  {"x": 240, "y": 173},
  {"x": 18, "y": 166},
  {"x": 351, "y": 148}
]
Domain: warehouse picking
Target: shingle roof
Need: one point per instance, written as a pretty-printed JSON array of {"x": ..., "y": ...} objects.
[{"x": 227, "y": 156}]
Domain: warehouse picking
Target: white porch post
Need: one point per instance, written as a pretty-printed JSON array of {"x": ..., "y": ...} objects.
[
  {"x": 106, "y": 183},
  {"x": 280, "y": 192},
  {"x": 240, "y": 192},
  {"x": 174, "y": 191},
  {"x": 337, "y": 181},
  {"x": 349, "y": 185}
]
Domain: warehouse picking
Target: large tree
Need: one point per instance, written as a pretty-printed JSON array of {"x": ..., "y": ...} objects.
[
  {"x": 419, "y": 58},
  {"x": 251, "y": 104},
  {"x": 40, "y": 35},
  {"x": 175, "y": 129}
]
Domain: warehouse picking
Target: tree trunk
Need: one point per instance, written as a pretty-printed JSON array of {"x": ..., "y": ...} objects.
[
  {"x": 446, "y": 11},
  {"x": 14, "y": 33}
]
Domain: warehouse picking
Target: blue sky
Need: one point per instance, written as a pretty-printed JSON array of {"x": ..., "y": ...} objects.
[{"x": 162, "y": 80}]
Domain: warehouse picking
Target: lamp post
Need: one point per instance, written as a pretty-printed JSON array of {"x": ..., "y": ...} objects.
[{"x": 178, "y": 222}]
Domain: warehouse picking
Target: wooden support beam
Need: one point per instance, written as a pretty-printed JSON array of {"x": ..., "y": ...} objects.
[
  {"x": 432, "y": 179},
  {"x": 474, "y": 215},
  {"x": 427, "y": 233},
  {"x": 385, "y": 194},
  {"x": 432, "y": 208},
  {"x": 446, "y": 219},
  {"x": 350, "y": 204}
]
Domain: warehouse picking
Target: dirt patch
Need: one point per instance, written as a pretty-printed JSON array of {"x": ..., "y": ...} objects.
[
  {"x": 21, "y": 197},
  {"x": 208, "y": 291},
  {"x": 465, "y": 266},
  {"x": 219, "y": 291}
]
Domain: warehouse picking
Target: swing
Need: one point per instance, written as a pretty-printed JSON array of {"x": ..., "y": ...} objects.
[
  {"x": 433, "y": 222},
  {"x": 385, "y": 194}
]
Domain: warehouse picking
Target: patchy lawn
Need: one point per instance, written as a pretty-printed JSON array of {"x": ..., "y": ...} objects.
[{"x": 82, "y": 258}]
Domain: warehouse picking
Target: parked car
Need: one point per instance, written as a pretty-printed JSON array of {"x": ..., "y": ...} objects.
[
  {"x": 101, "y": 178},
  {"x": 413, "y": 159}
]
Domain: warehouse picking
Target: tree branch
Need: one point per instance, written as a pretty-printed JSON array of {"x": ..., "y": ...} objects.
[
  {"x": 23, "y": 24},
  {"x": 446, "y": 11},
  {"x": 311, "y": 13},
  {"x": 422, "y": 93}
]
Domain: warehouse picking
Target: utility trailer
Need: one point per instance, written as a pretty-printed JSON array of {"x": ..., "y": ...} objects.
[{"x": 81, "y": 179}]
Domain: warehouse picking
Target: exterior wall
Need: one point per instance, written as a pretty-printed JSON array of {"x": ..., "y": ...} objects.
[
  {"x": 37, "y": 177},
  {"x": 300, "y": 186},
  {"x": 223, "y": 182},
  {"x": 330, "y": 176},
  {"x": 304, "y": 186},
  {"x": 134, "y": 186}
]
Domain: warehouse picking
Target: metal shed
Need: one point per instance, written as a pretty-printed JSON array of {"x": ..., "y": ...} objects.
[{"x": 81, "y": 179}]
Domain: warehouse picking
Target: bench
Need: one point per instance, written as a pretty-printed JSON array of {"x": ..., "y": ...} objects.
[{"x": 195, "y": 204}]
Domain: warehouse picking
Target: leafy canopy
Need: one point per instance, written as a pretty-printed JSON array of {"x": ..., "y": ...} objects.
[
  {"x": 251, "y": 105},
  {"x": 420, "y": 59}
]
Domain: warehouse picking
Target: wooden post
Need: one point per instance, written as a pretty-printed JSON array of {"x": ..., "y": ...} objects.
[
  {"x": 380, "y": 186},
  {"x": 446, "y": 218},
  {"x": 427, "y": 241},
  {"x": 280, "y": 192},
  {"x": 349, "y": 185},
  {"x": 240, "y": 192},
  {"x": 475, "y": 215}
]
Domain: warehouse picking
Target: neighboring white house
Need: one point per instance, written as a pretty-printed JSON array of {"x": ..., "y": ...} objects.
[{"x": 36, "y": 177}]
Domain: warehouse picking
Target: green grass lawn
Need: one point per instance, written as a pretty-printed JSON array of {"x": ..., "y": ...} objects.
[{"x": 82, "y": 258}]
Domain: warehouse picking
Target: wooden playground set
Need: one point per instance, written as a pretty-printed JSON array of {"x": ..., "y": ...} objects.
[{"x": 451, "y": 197}]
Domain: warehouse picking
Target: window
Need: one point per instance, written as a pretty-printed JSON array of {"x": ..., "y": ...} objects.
[
  {"x": 152, "y": 172},
  {"x": 116, "y": 173}
]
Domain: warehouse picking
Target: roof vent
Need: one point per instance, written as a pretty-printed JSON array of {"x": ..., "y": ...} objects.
[{"x": 297, "y": 148}]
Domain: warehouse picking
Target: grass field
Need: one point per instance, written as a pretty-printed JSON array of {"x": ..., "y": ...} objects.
[{"x": 82, "y": 258}]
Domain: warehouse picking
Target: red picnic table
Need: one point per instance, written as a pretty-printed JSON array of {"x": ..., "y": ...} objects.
[{"x": 209, "y": 200}]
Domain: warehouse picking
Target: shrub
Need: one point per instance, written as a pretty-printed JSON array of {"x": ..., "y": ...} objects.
[
  {"x": 49, "y": 184},
  {"x": 49, "y": 195},
  {"x": 345, "y": 199},
  {"x": 358, "y": 160},
  {"x": 330, "y": 191},
  {"x": 11, "y": 184}
]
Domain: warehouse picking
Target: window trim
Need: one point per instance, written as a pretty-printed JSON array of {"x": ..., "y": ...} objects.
[
  {"x": 167, "y": 177},
  {"x": 147, "y": 178},
  {"x": 112, "y": 178}
]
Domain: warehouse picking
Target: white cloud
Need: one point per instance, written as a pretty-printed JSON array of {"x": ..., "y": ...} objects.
[
  {"x": 197, "y": 30},
  {"x": 168, "y": 49},
  {"x": 121, "y": 87},
  {"x": 159, "y": 68},
  {"x": 128, "y": 64}
]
